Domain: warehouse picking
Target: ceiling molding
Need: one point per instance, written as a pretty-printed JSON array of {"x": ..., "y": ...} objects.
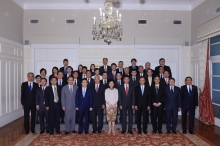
[{"x": 178, "y": 5}]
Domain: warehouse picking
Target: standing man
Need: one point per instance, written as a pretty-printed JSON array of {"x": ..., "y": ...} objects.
[
  {"x": 76, "y": 80},
  {"x": 104, "y": 80},
  {"x": 53, "y": 105},
  {"x": 65, "y": 65},
  {"x": 189, "y": 100},
  {"x": 149, "y": 78},
  {"x": 68, "y": 104},
  {"x": 69, "y": 70},
  {"x": 83, "y": 102},
  {"x": 133, "y": 65},
  {"x": 158, "y": 94},
  {"x": 120, "y": 67},
  {"x": 89, "y": 79},
  {"x": 126, "y": 73},
  {"x": 118, "y": 82},
  {"x": 165, "y": 80},
  {"x": 112, "y": 74},
  {"x": 134, "y": 80},
  {"x": 162, "y": 64},
  {"x": 142, "y": 104},
  {"x": 147, "y": 66},
  {"x": 98, "y": 91},
  {"x": 40, "y": 106},
  {"x": 126, "y": 103},
  {"x": 28, "y": 92},
  {"x": 172, "y": 104},
  {"x": 105, "y": 67},
  {"x": 84, "y": 69},
  {"x": 37, "y": 80},
  {"x": 141, "y": 72}
]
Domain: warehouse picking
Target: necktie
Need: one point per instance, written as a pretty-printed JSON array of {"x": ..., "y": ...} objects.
[
  {"x": 166, "y": 80},
  {"x": 161, "y": 76},
  {"x": 88, "y": 80},
  {"x": 71, "y": 90},
  {"x": 84, "y": 76},
  {"x": 60, "y": 83},
  {"x": 30, "y": 87},
  {"x": 65, "y": 70},
  {"x": 126, "y": 90},
  {"x": 142, "y": 90},
  {"x": 119, "y": 83},
  {"x": 97, "y": 89},
  {"x": 84, "y": 92},
  {"x": 134, "y": 79},
  {"x": 43, "y": 94},
  {"x": 141, "y": 75},
  {"x": 75, "y": 82},
  {"x": 190, "y": 91},
  {"x": 172, "y": 89},
  {"x": 56, "y": 95},
  {"x": 157, "y": 88},
  {"x": 105, "y": 82},
  {"x": 105, "y": 68},
  {"x": 149, "y": 82}
]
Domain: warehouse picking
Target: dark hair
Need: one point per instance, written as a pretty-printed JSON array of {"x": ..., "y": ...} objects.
[
  {"x": 84, "y": 79},
  {"x": 142, "y": 78},
  {"x": 75, "y": 71},
  {"x": 111, "y": 80},
  {"x": 126, "y": 76},
  {"x": 84, "y": 67},
  {"x": 69, "y": 67},
  {"x": 161, "y": 67},
  {"x": 133, "y": 59},
  {"x": 151, "y": 70},
  {"x": 172, "y": 79},
  {"x": 53, "y": 78},
  {"x": 140, "y": 66},
  {"x": 43, "y": 69},
  {"x": 113, "y": 64},
  {"x": 37, "y": 76},
  {"x": 104, "y": 73},
  {"x": 88, "y": 71},
  {"x": 162, "y": 59},
  {"x": 79, "y": 66},
  {"x": 156, "y": 77},
  {"x": 91, "y": 66},
  {"x": 188, "y": 78},
  {"x": 166, "y": 71},
  {"x": 104, "y": 59},
  {"x": 65, "y": 60},
  {"x": 120, "y": 62},
  {"x": 59, "y": 72},
  {"x": 133, "y": 70},
  {"x": 118, "y": 73},
  {"x": 69, "y": 77},
  {"x": 44, "y": 79},
  {"x": 54, "y": 68},
  {"x": 96, "y": 69}
]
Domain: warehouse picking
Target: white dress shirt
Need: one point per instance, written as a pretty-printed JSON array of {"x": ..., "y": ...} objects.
[
  {"x": 172, "y": 88},
  {"x": 31, "y": 84},
  {"x": 189, "y": 86}
]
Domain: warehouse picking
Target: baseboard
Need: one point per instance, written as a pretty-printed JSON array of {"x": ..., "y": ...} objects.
[
  {"x": 217, "y": 122},
  {"x": 8, "y": 118}
]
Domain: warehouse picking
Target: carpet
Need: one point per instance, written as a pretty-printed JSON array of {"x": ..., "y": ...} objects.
[{"x": 112, "y": 140}]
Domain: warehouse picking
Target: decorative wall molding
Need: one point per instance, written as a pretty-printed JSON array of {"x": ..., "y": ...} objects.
[
  {"x": 11, "y": 42},
  {"x": 8, "y": 118}
]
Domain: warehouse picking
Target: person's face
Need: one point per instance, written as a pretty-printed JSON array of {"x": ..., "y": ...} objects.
[
  {"x": 97, "y": 72},
  {"x": 118, "y": 76},
  {"x": 43, "y": 73},
  {"x": 126, "y": 80},
  {"x": 88, "y": 74},
  {"x": 133, "y": 73},
  {"x": 70, "y": 81},
  {"x": 53, "y": 81},
  {"x": 65, "y": 63},
  {"x": 149, "y": 73},
  {"x": 147, "y": 66},
  {"x": 105, "y": 61},
  {"x": 188, "y": 81},
  {"x": 111, "y": 84},
  {"x": 140, "y": 69},
  {"x": 69, "y": 70},
  {"x": 157, "y": 80},
  {"x": 120, "y": 65},
  {"x": 84, "y": 70},
  {"x": 162, "y": 62},
  {"x": 171, "y": 82},
  {"x": 113, "y": 67},
  {"x": 60, "y": 75},
  {"x": 80, "y": 68},
  {"x": 166, "y": 74},
  {"x": 30, "y": 77},
  {"x": 104, "y": 76},
  {"x": 97, "y": 80},
  {"x": 75, "y": 75},
  {"x": 92, "y": 67},
  {"x": 133, "y": 63},
  {"x": 38, "y": 80},
  {"x": 127, "y": 71},
  {"x": 55, "y": 71},
  {"x": 43, "y": 82},
  {"x": 142, "y": 81},
  {"x": 161, "y": 70},
  {"x": 84, "y": 83}
]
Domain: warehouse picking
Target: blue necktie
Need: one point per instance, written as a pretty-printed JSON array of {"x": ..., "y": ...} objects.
[
  {"x": 142, "y": 90},
  {"x": 190, "y": 91},
  {"x": 84, "y": 92},
  {"x": 60, "y": 83},
  {"x": 30, "y": 87}
]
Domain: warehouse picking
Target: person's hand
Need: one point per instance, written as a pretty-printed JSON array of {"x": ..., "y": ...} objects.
[
  {"x": 103, "y": 106},
  {"x": 120, "y": 107},
  {"x": 148, "y": 107},
  {"x": 179, "y": 108},
  {"x": 47, "y": 108},
  {"x": 37, "y": 108},
  {"x": 90, "y": 109},
  {"x": 136, "y": 108},
  {"x": 196, "y": 107},
  {"x": 64, "y": 108},
  {"x": 156, "y": 104},
  {"x": 164, "y": 109},
  {"x": 77, "y": 109},
  {"x": 132, "y": 107},
  {"x": 22, "y": 106}
]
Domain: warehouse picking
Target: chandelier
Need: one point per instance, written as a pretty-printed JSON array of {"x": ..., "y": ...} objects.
[{"x": 108, "y": 28}]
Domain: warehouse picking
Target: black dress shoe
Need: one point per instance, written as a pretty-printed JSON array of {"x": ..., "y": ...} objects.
[
  {"x": 42, "y": 131},
  {"x": 99, "y": 132},
  {"x": 79, "y": 132},
  {"x": 58, "y": 132},
  {"x": 139, "y": 132},
  {"x": 66, "y": 133},
  {"x": 51, "y": 133},
  {"x": 74, "y": 131},
  {"x": 154, "y": 132},
  {"x": 48, "y": 131},
  {"x": 174, "y": 132},
  {"x": 160, "y": 132},
  {"x": 184, "y": 132},
  {"x": 130, "y": 132},
  {"x": 145, "y": 132},
  {"x": 94, "y": 131},
  {"x": 123, "y": 132},
  {"x": 191, "y": 132},
  {"x": 62, "y": 122},
  {"x": 27, "y": 132},
  {"x": 33, "y": 132},
  {"x": 168, "y": 131},
  {"x": 37, "y": 122},
  {"x": 87, "y": 132}
]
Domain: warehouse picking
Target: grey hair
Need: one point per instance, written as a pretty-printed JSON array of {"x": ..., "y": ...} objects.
[
  {"x": 96, "y": 76},
  {"x": 147, "y": 62},
  {"x": 30, "y": 73},
  {"x": 126, "y": 68}
]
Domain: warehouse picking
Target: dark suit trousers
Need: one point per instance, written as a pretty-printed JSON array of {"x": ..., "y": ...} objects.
[
  {"x": 54, "y": 118},
  {"x": 157, "y": 118},
  {"x": 142, "y": 111},
  {"x": 84, "y": 113},
  {"x": 43, "y": 114},
  {"x": 172, "y": 117},
  {"x": 124, "y": 117},
  {"x": 97, "y": 111},
  {"x": 27, "y": 110},
  {"x": 191, "y": 111},
  {"x": 62, "y": 114}
]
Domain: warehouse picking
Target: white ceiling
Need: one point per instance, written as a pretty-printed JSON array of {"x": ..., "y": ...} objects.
[{"x": 186, "y": 5}]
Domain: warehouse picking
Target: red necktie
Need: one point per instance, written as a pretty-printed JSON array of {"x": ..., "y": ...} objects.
[{"x": 126, "y": 89}]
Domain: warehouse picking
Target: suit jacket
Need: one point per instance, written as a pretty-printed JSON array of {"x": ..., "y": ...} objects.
[
  {"x": 98, "y": 97},
  {"x": 27, "y": 97},
  {"x": 142, "y": 100},
  {"x": 86, "y": 102},
  {"x": 163, "y": 82},
  {"x": 172, "y": 100},
  {"x": 145, "y": 71},
  {"x": 64, "y": 81},
  {"x": 147, "y": 82},
  {"x": 110, "y": 75},
  {"x": 91, "y": 82},
  {"x": 125, "y": 100},
  {"x": 122, "y": 73},
  {"x": 106, "y": 85},
  {"x": 125, "y": 75},
  {"x": 39, "y": 97},
  {"x": 136, "y": 68},
  {"x": 62, "y": 69},
  {"x": 101, "y": 70},
  {"x": 49, "y": 97},
  {"x": 116, "y": 83},
  {"x": 188, "y": 101},
  {"x": 78, "y": 84},
  {"x": 65, "y": 78},
  {"x": 134, "y": 83},
  {"x": 166, "y": 68},
  {"x": 144, "y": 75},
  {"x": 160, "y": 97},
  {"x": 68, "y": 100}
]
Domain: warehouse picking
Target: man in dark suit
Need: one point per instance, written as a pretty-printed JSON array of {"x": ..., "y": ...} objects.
[
  {"x": 134, "y": 80},
  {"x": 65, "y": 65},
  {"x": 120, "y": 67},
  {"x": 40, "y": 106},
  {"x": 105, "y": 67},
  {"x": 126, "y": 72},
  {"x": 98, "y": 91},
  {"x": 37, "y": 80},
  {"x": 84, "y": 69},
  {"x": 28, "y": 91},
  {"x": 53, "y": 105},
  {"x": 162, "y": 63},
  {"x": 142, "y": 104},
  {"x": 147, "y": 66},
  {"x": 189, "y": 102},
  {"x": 149, "y": 78},
  {"x": 141, "y": 72},
  {"x": 133, "y": 65},
  {"x": 118, "y": 82},
  {"x": 158, "y": 94},
  {"x": 172, "y": 105},
  {"x": 76, "y": 80},
  {"x": 89, "y": 79},
  {"x": 112, "y": 74},
  {"x": 126, "y": 104},
  {"x": 165, "y": 80},
  {"x": 84, "y": 104},
  {"x": 69, "y": 70},
  {"x": 104, "y": 80}
]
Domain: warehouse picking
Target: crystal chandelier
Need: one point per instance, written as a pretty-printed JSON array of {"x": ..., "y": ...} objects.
[{"x": 108, "y": 28}]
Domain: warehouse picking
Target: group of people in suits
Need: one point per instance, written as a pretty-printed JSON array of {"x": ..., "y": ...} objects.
[{"x": 83, "y": 95}]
